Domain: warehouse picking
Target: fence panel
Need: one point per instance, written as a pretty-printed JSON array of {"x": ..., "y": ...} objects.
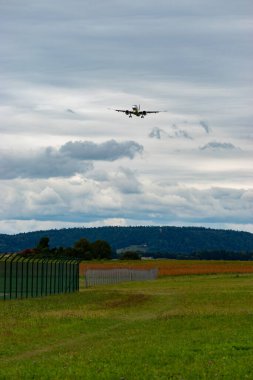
[
  {"x": 95, "y": 277},
  {"x": 22, "y": 277}
]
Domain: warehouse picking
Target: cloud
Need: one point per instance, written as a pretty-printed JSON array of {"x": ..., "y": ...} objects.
[
  {"x": 123, "y": 196},
  {"x": 44, "y": 163},
  {"x": 218, "y": 146},
  {"x": 69, "y": 159},
  {"x": 126, "y": 181},
  {"x": 181, "y": 133},
  {"x": 64, "y": 65},
  {"x": 108, "y": 151},
  {"x": 65, "y": 41},
  {"x": 160, "y": 134},
  {"x": 205, "y": 125},
  {"x": 157, "y": 133}
]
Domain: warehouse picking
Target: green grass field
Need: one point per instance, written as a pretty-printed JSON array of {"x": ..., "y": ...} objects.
[{"x": 188, "y": 327}]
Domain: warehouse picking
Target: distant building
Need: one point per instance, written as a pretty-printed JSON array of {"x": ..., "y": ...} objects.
[{"x": 133, "y": 248}]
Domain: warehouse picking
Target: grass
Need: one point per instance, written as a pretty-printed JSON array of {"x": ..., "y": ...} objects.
[{"x": 184, "y": 327}]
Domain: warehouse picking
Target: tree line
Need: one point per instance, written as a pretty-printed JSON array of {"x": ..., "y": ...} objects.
[
  {"x": 165, "y": 240},
  {"x": 83, "y": 249}
]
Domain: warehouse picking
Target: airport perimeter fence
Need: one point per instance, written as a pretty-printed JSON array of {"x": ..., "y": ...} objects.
[
  {"x": 30, "y": 276},
  {"x": 93, "y": 277}
]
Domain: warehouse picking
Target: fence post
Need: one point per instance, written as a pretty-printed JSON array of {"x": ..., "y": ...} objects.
[
  {"x": 19, "y": 260},
  {"x": 30, "y": 259},
  {"x": 46, "y": 275},
  {"x": 77, "y": 276},
  {"x": 10, "y": 280},
  {"x": 5, "y": 279},
  {"x": 17, "y": 271}
]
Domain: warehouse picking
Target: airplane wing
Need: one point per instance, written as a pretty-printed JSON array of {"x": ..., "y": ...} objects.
[
  {"x": 125, "y": 111},
  {"x": 144, "y": 113}
]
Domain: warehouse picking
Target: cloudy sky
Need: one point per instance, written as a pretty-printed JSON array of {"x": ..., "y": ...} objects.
[{"x": 67, "y": 159}]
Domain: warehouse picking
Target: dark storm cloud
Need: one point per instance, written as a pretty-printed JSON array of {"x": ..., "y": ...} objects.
[{"x": 69, "y": 159}]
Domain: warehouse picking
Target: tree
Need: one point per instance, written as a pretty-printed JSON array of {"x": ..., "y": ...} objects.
[
  {"x": 101, "y": 250},
  {"x": 83, "y": 249},
  {"x": 130, "y": 255},
  {"x": 43, "y": 245}
]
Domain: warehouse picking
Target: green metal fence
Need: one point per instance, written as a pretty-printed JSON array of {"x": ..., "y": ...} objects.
[{"x": 23, "y": 277}]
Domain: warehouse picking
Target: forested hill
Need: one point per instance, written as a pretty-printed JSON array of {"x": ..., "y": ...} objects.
[{"x": 159, "y": 241}]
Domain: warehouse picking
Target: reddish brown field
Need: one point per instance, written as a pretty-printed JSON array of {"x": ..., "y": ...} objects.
[{"x": 177, "y": 267}]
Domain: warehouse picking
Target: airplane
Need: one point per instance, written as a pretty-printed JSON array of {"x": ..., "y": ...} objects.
[{"x": 136, "y": 111}]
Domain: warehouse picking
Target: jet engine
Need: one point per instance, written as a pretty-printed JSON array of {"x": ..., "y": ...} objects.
[
  {"x": 127, "y": 112},
  {"x": 144, "y": 113}
]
